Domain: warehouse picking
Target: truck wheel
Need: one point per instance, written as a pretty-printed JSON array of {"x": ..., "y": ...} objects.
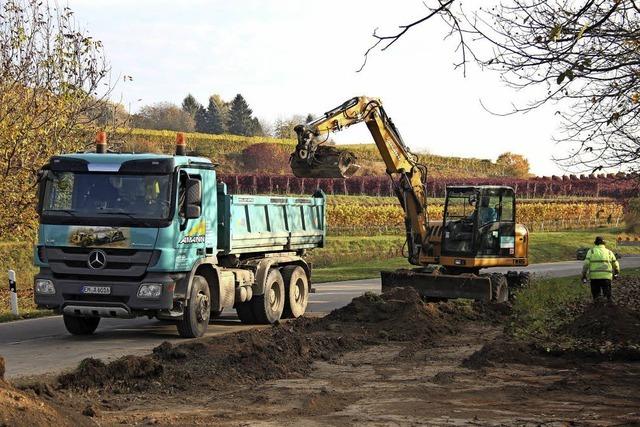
[
  {"x": 245, "y": 312},
  {"x": 195, "y": 317},
  {"x": 296, "y": 288},
  {"x": 499, "y": 288},
  {"x": 80, "y": 325},
  {"x": 267, "y": 308}
]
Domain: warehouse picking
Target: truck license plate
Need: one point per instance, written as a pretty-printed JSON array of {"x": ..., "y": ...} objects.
[{"x": 100, "y": 290}]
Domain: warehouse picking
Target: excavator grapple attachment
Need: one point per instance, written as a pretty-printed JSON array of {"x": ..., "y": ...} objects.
[
  {"x": 327, "y": 162},
  {"x": 434, "y": 285}
]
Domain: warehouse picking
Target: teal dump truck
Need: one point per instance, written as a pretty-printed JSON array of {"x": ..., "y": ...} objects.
[{"x": 127, "y": 235}]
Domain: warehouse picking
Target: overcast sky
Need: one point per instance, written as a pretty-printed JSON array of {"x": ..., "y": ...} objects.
[{"x": 297, "y": 57}]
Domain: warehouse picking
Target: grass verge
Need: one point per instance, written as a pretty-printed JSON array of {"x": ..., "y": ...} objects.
[
  {"x": 558, "y": 316},
  {"x": 362, "y": 257}
]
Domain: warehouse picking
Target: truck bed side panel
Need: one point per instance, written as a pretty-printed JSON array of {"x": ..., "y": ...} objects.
[{"x": 270, "y": 223}]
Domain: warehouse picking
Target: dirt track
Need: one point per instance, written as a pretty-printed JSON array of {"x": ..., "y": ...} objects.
[{"x": 377, "y": 361}]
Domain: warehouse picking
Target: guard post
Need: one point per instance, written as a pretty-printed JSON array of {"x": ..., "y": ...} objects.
[{"x": 13, "y": 293}]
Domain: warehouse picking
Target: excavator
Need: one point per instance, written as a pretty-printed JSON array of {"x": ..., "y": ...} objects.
[{"x": 478, "y": 229}]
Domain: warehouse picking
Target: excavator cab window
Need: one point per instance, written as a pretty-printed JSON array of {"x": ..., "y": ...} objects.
[
  {"x": 479, "y": 222},
  {"x": 496, "y": 223},
  {"x": 460, "y": 221}
]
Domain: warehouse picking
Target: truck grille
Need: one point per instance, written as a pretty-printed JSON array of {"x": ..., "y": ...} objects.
[{"x": 122, "y": 264}]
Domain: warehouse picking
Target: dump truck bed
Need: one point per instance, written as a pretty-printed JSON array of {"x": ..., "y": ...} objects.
[{"x": 253, "y": 224}]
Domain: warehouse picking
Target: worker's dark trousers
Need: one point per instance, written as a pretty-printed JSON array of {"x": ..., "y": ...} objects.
[{"x": 601, "y": 287}]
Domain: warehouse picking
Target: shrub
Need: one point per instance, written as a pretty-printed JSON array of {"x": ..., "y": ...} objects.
[{"x": 266, "y": 158}]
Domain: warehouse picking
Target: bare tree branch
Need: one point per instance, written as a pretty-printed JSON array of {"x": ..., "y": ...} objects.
[
  {"x": 391, "y": 39},
  {"x": 586, "y": 56}
]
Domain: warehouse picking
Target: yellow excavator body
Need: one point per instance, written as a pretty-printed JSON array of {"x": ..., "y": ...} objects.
[{"x": 478, "y": 229}]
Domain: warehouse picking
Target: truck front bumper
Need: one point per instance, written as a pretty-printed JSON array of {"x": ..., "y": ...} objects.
[{"x": 121, "y": 301}]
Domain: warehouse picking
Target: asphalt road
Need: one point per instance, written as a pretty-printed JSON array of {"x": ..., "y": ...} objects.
[{"x": 42, "y": 346}]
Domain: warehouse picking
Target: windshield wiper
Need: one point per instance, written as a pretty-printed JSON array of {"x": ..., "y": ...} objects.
[{"x": 67, "y": 211}]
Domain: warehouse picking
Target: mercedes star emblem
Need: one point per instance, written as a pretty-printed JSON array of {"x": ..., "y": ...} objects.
[{"x": 97, "y": 259}]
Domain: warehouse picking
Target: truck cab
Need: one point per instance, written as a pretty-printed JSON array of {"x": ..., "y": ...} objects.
[{"x": 126, "y": 235}]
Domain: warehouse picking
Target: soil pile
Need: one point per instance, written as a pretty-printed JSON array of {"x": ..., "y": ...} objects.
[
  {"x": 500, "y": 351},
  {"x": 286, "y": 350},
  {"x": 602, "y": 330},
  {"x": 95, "y": 372},
  {"x": 626, "y": 292},
  {"x": 605, "y": 322},
  {"x": 18, "y": 408},
  {"x": 399, "y": 315}
]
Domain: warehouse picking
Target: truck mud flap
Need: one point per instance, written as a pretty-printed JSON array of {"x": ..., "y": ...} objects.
[{"x": 439, "y": 285}]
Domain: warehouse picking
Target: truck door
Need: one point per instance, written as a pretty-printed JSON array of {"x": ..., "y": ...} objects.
[{"x": 196, "y": 237}]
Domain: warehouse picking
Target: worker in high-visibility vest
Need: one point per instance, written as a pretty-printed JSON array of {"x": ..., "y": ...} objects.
[{"x": 600, "y": 267}]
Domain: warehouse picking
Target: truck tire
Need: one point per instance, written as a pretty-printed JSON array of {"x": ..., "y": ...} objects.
[
  {"x": 80, "y": 325},
  {"x": 195, "y": 317},
  {"x": 268, "y": 307},
  {"x": 499, "y": 288},
  {"x": 245, "y": 312},
  {"x": 296, "y": 288}
]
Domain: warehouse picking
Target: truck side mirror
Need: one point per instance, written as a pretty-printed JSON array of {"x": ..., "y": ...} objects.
[
  {"x": 194, "y": 192},
  {"x": 192, "y": 211},
  {"x": 43, "y": 175},
  {"x": 194, "y": 198}
]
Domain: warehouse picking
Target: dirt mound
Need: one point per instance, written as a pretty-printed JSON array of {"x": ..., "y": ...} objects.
[
  {"x": 605, "y": 322},
  {"x": 500, "y": 351},
  {"x": 286, "y": 350},
  {"x": 18, "y": 408},
  {"x": 602, "y": 331},
  {"x": 626, "y": 292},
  {"x": 399, "y": 314},
  {"x": 92, "y": 372}
]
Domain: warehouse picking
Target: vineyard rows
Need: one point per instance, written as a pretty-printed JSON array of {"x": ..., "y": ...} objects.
[
  {"x": 354, "y": 217},
  {"x": 612, "y": 186}
]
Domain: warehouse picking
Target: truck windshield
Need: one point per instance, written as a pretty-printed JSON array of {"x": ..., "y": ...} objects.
[{"x": 98, "y": 194}]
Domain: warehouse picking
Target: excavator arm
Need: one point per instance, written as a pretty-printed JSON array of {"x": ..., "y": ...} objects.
[{"x": 312, "y": 158}]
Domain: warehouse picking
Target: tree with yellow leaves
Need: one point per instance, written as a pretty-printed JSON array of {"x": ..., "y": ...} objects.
[{"x": 52, "y": 93}]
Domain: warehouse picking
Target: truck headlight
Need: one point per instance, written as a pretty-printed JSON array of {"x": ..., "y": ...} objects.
[
  {"x": 45, "y": 286},
  {"x": 150, "y": 290}
]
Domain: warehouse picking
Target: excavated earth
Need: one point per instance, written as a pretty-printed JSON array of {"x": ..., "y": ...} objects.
[{"x": 382, "y": 360}]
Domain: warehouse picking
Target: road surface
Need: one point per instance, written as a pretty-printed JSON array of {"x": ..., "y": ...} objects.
[{"x": 42, "y": 346}]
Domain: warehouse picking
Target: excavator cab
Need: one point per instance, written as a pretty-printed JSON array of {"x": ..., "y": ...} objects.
[{"x": 479, "y": 222}]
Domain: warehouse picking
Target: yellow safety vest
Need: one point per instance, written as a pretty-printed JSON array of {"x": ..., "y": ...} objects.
[{"x": 600, "y": 263}]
